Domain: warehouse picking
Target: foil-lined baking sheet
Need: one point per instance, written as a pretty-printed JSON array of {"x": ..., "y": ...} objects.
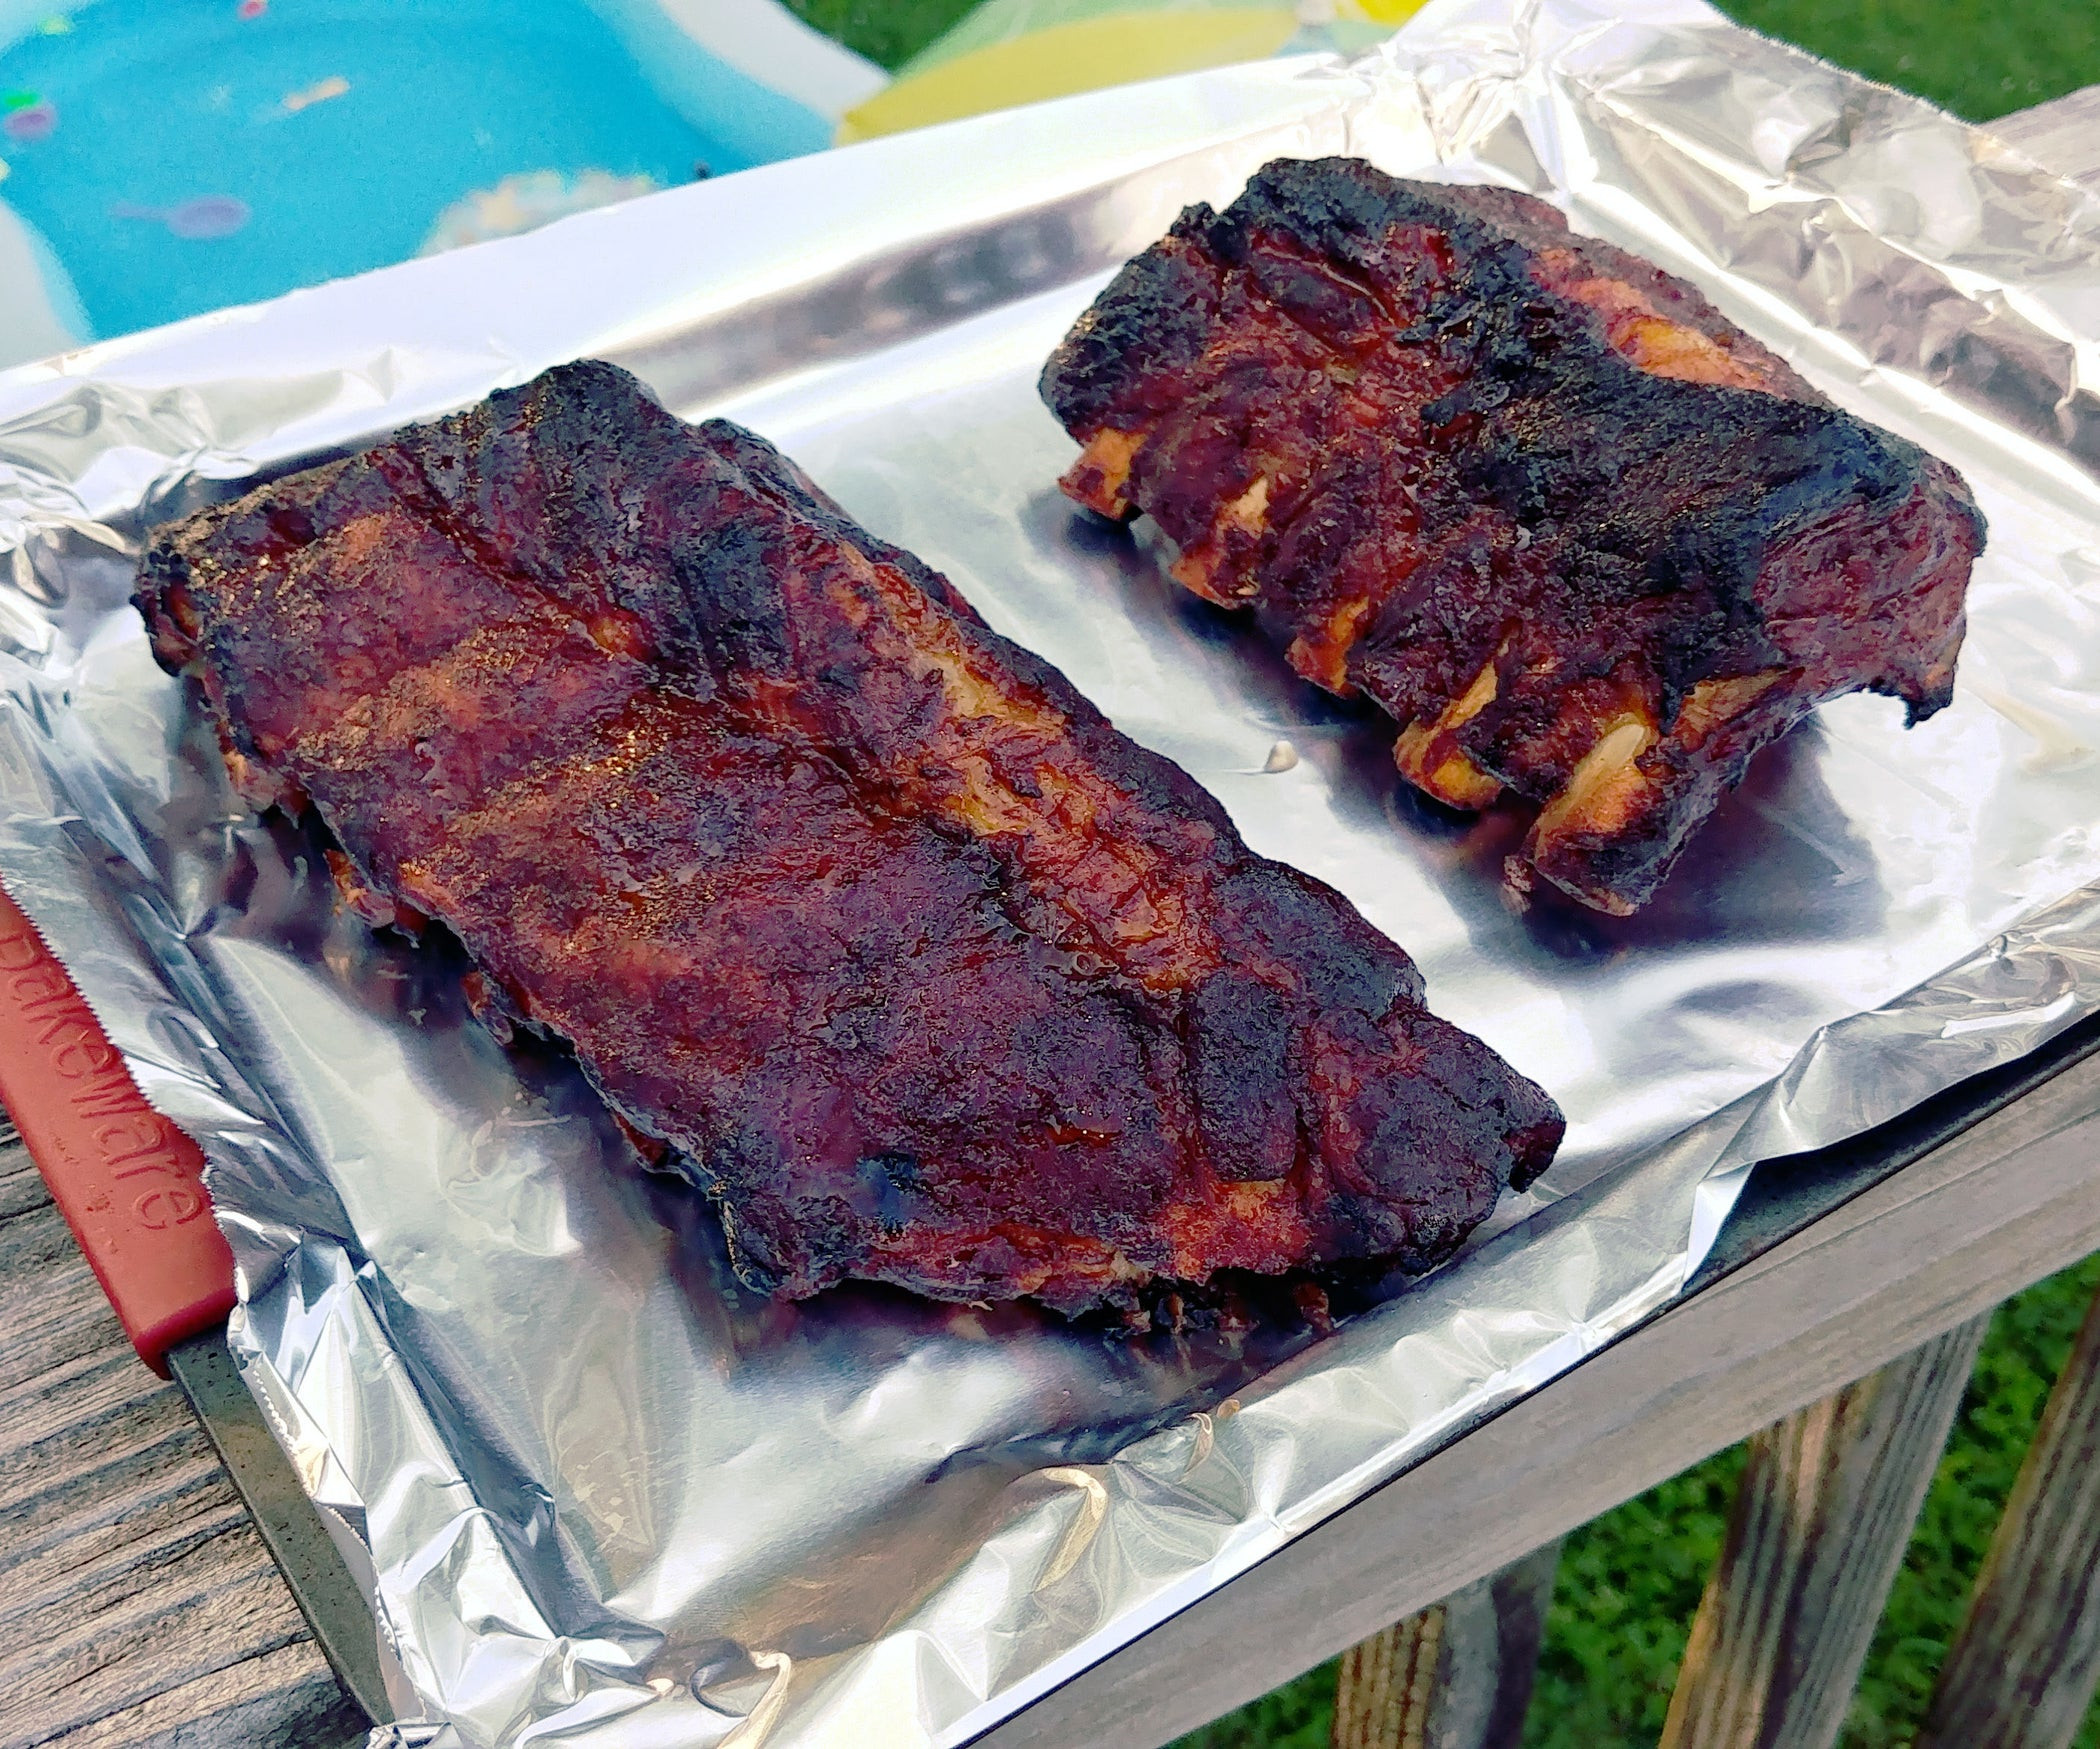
[{"x": 602, "y": 1495}]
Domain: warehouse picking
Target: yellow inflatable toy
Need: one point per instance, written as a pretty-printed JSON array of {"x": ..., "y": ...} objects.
[{"x": 1010, "y": 52}]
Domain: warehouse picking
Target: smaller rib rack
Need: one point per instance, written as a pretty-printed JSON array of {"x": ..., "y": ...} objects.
[
  {"x": 929, "y": 975},
  {"x": 1583, "y": 539}
]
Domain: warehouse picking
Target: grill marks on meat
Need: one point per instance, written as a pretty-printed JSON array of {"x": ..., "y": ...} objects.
[
  {"x": 931, "y": 976},
  {"x": 1537, "y": 499}
]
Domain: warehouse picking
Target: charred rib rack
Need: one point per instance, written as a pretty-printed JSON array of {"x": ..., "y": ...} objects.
[
  {"x": 1584, "y": 540},
  {"x": 924, "y": 970}
]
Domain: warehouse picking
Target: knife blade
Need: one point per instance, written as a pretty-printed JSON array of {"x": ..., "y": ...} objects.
[{"x": 131, "y": 1186}]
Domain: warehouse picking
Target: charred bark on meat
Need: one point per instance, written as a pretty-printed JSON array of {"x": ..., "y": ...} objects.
[
  {"x": 934, "y": 977},
  {"x": 1580, "y": 536}
]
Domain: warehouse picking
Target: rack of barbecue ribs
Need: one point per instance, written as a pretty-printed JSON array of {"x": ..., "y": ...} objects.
[
  {"x": 925, "y": 972},
  {"x": 1582, "y": 539}
]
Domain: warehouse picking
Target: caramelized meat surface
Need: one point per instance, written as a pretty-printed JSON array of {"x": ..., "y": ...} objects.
[
  {"x": 927, "y": 973},
  {"x": 1583, "y": 539}
]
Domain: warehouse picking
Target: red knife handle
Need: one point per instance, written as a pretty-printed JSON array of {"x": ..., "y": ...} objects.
[{"x": 130, "y": 1184}]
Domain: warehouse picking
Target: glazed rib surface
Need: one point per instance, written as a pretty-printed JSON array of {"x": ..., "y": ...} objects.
[
  {"x": 925, "y": 971},
  {"x": 1582, "y": 538}
]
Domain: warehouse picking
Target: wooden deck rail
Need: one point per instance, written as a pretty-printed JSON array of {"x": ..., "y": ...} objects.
[
  {"x": 1823, "y": 1511},
  {"x": 2024, "y": 1666},
  {"x": 1822, "y": 1514}
]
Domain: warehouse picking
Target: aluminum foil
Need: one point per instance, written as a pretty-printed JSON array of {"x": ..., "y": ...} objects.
[{"x": 600, "y": 1495}]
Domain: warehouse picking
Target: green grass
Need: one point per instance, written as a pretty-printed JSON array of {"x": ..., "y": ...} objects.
[
  {"x": 888, "y": 31},
  {"x": 1978, "y": 57},
  {"x": 1630, "y": 1581}
]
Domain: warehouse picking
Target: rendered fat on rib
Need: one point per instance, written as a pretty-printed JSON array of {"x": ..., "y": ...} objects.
[
  {"x": 927, "y": 973},
  {"x": 1582, "y": 538}
]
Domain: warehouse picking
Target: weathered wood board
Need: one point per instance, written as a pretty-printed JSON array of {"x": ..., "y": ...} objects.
[
  {"x": 1822, "y": 1516},
  {"x": 2022, "y": 1670},
  {"x": 137, "y": 1604}
]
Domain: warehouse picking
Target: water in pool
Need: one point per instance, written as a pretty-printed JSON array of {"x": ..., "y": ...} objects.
[{"x": 179, "y": 155}]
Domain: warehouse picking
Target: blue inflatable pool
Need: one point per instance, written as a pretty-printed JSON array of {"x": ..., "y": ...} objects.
[{"x": 166, "y": 157}]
